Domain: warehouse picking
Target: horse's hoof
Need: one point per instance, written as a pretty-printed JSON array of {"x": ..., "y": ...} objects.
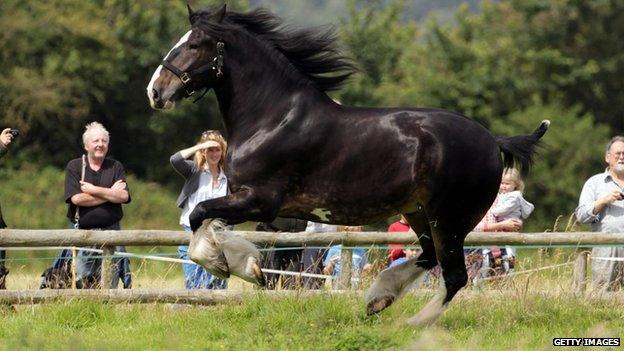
[
  {"x": 379, "y": 304},
  {"x": 243, "y": 258},
  {"x": 254, "y": 273},
  {"x": 421, "y": 320},
  {"x": 431, "y": 312}
]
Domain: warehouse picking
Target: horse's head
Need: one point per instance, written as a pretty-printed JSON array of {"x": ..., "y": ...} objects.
[{"x": 194, "y": 63}]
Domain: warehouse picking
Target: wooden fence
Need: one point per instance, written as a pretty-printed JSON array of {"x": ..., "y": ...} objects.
[{"x": 108, "y": 239}]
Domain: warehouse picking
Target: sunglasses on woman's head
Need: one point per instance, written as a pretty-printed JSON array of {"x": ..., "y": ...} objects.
[{"x": 208, "y": 132}]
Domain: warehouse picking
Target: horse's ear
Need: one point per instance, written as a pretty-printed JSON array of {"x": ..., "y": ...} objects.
[
  {"x": 221, "y": 14},
  {"x": 190, "y": 13}
]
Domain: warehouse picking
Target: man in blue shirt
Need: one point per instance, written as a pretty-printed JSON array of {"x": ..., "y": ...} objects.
[
  {"x": 333, "y": 267},
  {"x": 602, "y": 205}
]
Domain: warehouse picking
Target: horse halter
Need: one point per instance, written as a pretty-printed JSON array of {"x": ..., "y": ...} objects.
[{"x": 188, "y": 78}]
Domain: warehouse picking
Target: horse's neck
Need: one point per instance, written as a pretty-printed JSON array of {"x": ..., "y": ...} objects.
[{"x": 263, "y": 100}]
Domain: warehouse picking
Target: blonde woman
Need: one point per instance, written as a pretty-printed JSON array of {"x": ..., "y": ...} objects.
[{"x": 204, "y": 180}]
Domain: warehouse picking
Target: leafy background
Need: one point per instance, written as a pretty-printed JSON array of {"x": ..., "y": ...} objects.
[{"x": 507, "y": 64}]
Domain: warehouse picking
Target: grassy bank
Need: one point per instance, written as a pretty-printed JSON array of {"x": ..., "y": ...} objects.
[{"x": 520, "y": 321}]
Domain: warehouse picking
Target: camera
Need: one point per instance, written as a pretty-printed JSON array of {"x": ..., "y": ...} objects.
[{"x": 14, "y": 132}]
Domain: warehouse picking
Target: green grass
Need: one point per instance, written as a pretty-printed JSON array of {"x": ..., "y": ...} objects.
[{"x": 525, "y": 321}]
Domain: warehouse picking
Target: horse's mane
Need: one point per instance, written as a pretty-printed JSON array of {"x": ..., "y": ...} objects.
[{"x": 312, "y": 52}]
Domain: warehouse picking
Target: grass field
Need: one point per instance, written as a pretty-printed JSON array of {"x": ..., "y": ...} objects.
[
  {"x": 491, "y": 320},
  {"x": 521, "y": 313}
]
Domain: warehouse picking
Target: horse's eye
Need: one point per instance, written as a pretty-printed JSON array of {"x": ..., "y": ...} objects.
[{"x": 193, "y": 46}]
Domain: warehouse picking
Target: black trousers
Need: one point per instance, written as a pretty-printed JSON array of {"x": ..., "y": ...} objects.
[{"x": 3, "y": 270}]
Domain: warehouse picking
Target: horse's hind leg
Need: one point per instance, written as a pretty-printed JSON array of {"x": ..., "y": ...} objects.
[
  {"x": 448, "y": 239},
  {"x": 393, "y": 282}
]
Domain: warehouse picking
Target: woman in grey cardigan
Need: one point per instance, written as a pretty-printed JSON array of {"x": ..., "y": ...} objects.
[{"x": 204, "y": 180}]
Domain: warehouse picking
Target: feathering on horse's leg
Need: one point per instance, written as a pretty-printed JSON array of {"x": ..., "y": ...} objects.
[
  {"x": 216, "y": 248},
  {"x": 393, "y": 282},
  {"x": 450, "y": 254}
]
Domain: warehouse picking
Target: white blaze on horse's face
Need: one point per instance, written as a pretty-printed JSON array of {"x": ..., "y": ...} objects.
[{"x": 152, "y": 84}]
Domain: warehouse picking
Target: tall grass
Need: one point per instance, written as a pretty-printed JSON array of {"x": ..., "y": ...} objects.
[{"x": 516, "y": 321}]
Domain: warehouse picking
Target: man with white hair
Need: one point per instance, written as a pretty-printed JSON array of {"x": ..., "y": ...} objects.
[
  {"x": 95, "y": 188},
  {"x": 602, "y": 205}
]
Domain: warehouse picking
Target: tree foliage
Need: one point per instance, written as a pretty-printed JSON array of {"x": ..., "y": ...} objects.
[
  {"x": 508, "y": 65},
  {"x": 69, "y": 62}
]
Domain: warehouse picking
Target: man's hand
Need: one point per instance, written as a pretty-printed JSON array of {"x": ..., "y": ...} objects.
[
  {"x": 87, "y": 187},
  {"x": 6, "y": 137},
  {"x": 606, "y": 200},
  {"x": 119, "y": 185},
  {"x": 611, "y": 197}
]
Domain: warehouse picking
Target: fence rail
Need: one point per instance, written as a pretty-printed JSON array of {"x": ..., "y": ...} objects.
[
  {"x": 107, "y": 239},
  {"x": 72, "y": 237}
]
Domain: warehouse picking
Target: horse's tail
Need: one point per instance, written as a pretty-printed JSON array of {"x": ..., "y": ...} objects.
[{"x": 519, "y": 150}]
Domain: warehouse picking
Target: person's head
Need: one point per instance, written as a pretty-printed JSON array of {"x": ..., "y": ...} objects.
[
  {"x": 511, "y": 181},
  {"x": 410, "y": 253},
  {"x": 95, "y": 139},
  {"x": 614, "y": 155},
  {"x": 213, "y": 155}
]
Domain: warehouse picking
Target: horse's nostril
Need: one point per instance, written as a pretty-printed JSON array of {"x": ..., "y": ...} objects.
[{"x": 155, "y": 94}]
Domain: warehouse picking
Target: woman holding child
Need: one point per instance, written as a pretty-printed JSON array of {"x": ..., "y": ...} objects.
[{"x": 505, "y": 215}]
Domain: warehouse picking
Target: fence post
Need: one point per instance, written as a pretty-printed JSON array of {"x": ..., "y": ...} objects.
[
  {"x": 346, "y": 257},
  {"x": 579, "y": 283},
  {"x": 73, "y": 267},
  {"x": 107, "y": 266}
]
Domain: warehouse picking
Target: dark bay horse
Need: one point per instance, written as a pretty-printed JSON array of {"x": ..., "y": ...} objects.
[{"x": 293, "y": 152}]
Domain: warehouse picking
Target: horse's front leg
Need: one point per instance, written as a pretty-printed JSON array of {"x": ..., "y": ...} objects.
[
  {"x": 220, "y": 251},
  {"x": 246, "y": 204}
]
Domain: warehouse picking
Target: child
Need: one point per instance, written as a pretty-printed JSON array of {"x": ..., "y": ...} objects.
[
  {"x": 510, "y": 203},
  {"x": 505, "y": 215}
]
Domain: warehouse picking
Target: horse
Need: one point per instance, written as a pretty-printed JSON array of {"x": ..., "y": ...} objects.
[{"x": 294, "y": 152}]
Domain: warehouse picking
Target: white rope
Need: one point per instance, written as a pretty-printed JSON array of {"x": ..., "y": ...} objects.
[
  {"x": 38, "y": 248},
  {"x": 527, "y": 271},
  {"x": 608, "y": 258},
  {"x": 164, "y": 259}
]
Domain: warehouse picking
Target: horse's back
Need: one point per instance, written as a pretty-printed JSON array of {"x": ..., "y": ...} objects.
[{"x": 372, "y": 163}]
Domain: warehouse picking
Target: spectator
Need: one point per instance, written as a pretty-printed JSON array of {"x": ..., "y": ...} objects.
[
  {"x": 312, "y": 258},
  {"x": 408, "y": 253},
  {"x": 506, "y": 215},
  {"x": 359, "y": 261},
  {"x": 204, "y": 180},
  {"x": 95, "y": 189},
  {"x": 601, "y": 204},
  {"x": 282, "y": 259},
  {"x": 395, "y": 251},
  {"x": 6, "y": 137}
]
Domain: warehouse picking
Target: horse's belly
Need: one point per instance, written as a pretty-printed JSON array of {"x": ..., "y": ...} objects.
[{"x": 340, "y": 213}]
